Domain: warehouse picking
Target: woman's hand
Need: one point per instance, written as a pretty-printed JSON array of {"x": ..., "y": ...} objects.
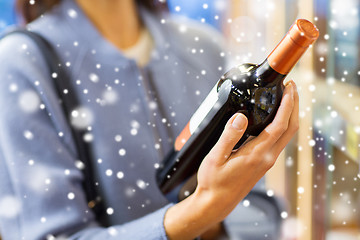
[{"x": 225, "y": 178}]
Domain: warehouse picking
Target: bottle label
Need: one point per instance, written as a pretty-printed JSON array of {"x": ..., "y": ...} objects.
[{"x": 197, "y": 118}]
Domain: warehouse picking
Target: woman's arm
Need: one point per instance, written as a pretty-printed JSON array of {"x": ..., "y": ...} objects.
[
  {"x": 41, "y": 190},
  {"x": 225, "y": 178}
]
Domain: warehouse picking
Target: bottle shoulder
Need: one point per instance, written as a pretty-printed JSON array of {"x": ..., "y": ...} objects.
[{"x": 248, "y": 75}]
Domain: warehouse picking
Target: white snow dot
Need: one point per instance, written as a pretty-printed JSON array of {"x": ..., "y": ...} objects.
[
  {"x": 71, "y": 195},
  {"x": 54, "y": 75},
  {"x": 122, "y": 152},
  {"x": 47, "y": 181},
  {"x": 120, "y": 175},
  {"x": 141, "y": 184},
  {"x": 246, "y": 203},
  {"x": 318, "y": 123},
  {"x": 156, "y": 165},
  {"x": 79, "y": 164},
  {"x": 31, "y": 162},
  {"x": 110, "y": 96},
  {"x": 29, "y": 101},
  {"x": 50, "y": 237},
  {"x": 270, "y": 193},
  {"x": 312, "y": 88},
  {"x": 93, "y": 77},
  {"x": 183, "y": 28},
  {"x": 135, "y": 124},
  {"x": 152, "y": 105},
  {"x": 331, "y": 167},
  {"x": 88, "y": 137},
  {"x": 109, "y": 172},
  {"x": 43, "y": 219},
  {"x": 72, "y": 13},
  {"x": 13, "y": 87},
  {"x": 75, "y": 113},
  {"x": 205, "y": 6},
  {"x": 300, "y": 190},
  {"x": 289, "y": 162},
  {"x": 284, "y": 215},
  {"x": 112, "y": 231},
  {"x": 109, "y": 211},
  {"x": 28, "y": 135},
  {"x": 133, "y": 131},
  {"x": 203, "y": 72},
  {"x": 333, "y": 114},
  {"x": 312, "y": 143},
  {"x": 177, "y": 8},
  {"x": 118, "y": 138},
  {"x": 67, "y": 172}
]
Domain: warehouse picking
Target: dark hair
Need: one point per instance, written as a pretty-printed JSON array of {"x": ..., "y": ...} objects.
[{"x": 30, "y": 10}]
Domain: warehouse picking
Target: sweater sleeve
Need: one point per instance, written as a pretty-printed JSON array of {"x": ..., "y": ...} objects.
[{"x": 41, "y": 194}]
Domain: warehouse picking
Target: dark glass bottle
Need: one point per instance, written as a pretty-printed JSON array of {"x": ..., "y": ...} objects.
[{"x": 254, "y": 90}]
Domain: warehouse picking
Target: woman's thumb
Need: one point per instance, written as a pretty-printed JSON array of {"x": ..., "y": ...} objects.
[{"x": 232, "y": 133}]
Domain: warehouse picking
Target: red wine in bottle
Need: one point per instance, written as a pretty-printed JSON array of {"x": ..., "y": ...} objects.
[{"x": 254, "y": 90}]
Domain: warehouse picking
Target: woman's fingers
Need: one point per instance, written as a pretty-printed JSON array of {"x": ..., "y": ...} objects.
[
  {"x": 275, "y": 130},
  {"x": 293, "y": 125},
  {"x": 232, "y": 133},
  {"x": 271, "y": 140}
]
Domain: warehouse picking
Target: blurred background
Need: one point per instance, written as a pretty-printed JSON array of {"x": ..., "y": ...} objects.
[{"x": 318, "y": 174}]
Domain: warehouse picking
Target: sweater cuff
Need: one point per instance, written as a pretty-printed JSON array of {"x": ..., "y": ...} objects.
[
  {"x": 161, "y": 214},
  {"x": 149, "y": 227}
]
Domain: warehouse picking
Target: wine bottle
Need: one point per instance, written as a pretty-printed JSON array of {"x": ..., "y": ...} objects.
[{"x": 254, "y": 90}]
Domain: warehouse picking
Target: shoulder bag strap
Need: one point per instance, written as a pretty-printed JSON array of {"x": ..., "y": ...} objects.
[{"x": 61, "y": 81}]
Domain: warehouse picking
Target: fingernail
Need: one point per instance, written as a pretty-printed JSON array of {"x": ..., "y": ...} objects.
[
  {"x": 239, "y": 122},
  {"x": 294, "y": 85},
  {"x": 289, "y": 88},
  {"x": 287, "y": 83}
]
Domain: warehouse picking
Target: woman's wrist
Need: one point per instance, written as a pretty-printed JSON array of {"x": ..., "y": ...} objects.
[
  {"x": 217, "y": 232},
  {"x": 191, "y": 217}
]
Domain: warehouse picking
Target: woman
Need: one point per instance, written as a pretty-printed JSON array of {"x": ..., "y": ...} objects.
[{"x": 138, "y": 75}]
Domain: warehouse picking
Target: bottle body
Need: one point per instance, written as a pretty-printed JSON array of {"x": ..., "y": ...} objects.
[{"x": 254, "y": 90}]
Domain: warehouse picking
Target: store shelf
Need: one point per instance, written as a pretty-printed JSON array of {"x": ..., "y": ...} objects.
[{"x": 337, "y": 116}]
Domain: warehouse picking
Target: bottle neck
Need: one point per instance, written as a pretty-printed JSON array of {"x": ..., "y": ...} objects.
[
  {"x": 285, "y": 55},
  {"x": 267, "y": 73}
]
